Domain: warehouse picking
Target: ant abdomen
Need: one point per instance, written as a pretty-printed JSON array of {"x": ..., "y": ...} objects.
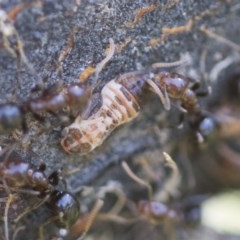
[
  {"x": 69, "y": 96},
  {"x": 12, "y": 116},
  {"x": 66, "y": 206}
]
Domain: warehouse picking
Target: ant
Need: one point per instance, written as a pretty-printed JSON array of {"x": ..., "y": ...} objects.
[
  {"x": 18, "y": 175},
  {"x": 120, "y": 103},
  {"x": 12, "y": 115},
  {"x": 215, "y": 155},
  {"x": 152, "y": 210},
  {"x": 155, "y": 212}
]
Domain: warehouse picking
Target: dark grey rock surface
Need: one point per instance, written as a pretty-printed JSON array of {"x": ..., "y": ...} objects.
[{"x": 44, "y": 28}]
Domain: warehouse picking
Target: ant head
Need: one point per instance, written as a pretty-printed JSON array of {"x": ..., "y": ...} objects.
[
  {"x": 39, "y": 180},
  {"x": 54, "y": 178},
  {"x": 71, "y": 139},
  {"x": 66, "y": 206},
  {"x": 154, "y": 209}
]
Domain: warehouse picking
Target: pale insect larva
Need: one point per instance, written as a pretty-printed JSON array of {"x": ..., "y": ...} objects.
[
  {"x": 121, "y": 99},
  {"x": 118, "y": 107}
]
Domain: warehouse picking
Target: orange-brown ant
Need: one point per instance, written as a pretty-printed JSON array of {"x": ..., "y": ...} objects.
[
  {"x": 215, "y": 156},
  {"x": 15, "y": 172},
  {"x": 120, "y": 103},
  {"x": 12, "y": 115},
  {"x": 155, "y": 211},
  {"x": 17, "y": 175},
  {"x": 153, "y": 214}
]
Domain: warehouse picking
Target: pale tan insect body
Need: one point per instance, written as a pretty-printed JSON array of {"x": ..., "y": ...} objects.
[
  {"x": 121, "y": 98},
  {"x": 117, "y": 108}
]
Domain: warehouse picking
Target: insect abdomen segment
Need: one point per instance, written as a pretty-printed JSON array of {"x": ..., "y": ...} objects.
[{"x": 118, "y": 106}]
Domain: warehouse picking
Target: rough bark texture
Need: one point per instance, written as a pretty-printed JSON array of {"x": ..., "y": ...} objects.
[{"x": 44, "y": 29}]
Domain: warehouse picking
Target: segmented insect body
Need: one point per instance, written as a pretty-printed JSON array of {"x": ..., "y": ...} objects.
[
  {"x": 66, "y": 206},
  {"x": 216, "y": 152},
  {"x": 75, "y": 94},
  {"x": 12, "y": 115},
  {"x": 121, "y": 100},
  {"x": 156, "y": 212},
  {"x": 16, "y": 172},
  {"x": 118, "y": 106},
  {"x": 179, "y": 88}
]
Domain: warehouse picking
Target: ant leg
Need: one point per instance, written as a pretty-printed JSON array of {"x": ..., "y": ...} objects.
[
  {"x": 145, "y": 165},
  {"x": 179, "y": 124},
  {"x": 84, "y": 224},
  {"x": 140, "y": 181},
  {"x": 163, "y": 96},
  {"x": 30, "y": 209},
  {"x": 116, "y": 218},
  {"x": 42, "y": 226},
  {"x": 118, "y": 192},
  {"x": 170, "y": 186},
  {"x": 17, "y": 231},
  {"x": 9, "y": 201},
  {"x": 188, "y": 168},
  {"x": 121, "y": 200},
  {"x": 113, "y": 215}
]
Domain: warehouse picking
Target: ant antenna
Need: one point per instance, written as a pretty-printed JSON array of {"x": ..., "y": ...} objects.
[{"x": 163, "y": 96}]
